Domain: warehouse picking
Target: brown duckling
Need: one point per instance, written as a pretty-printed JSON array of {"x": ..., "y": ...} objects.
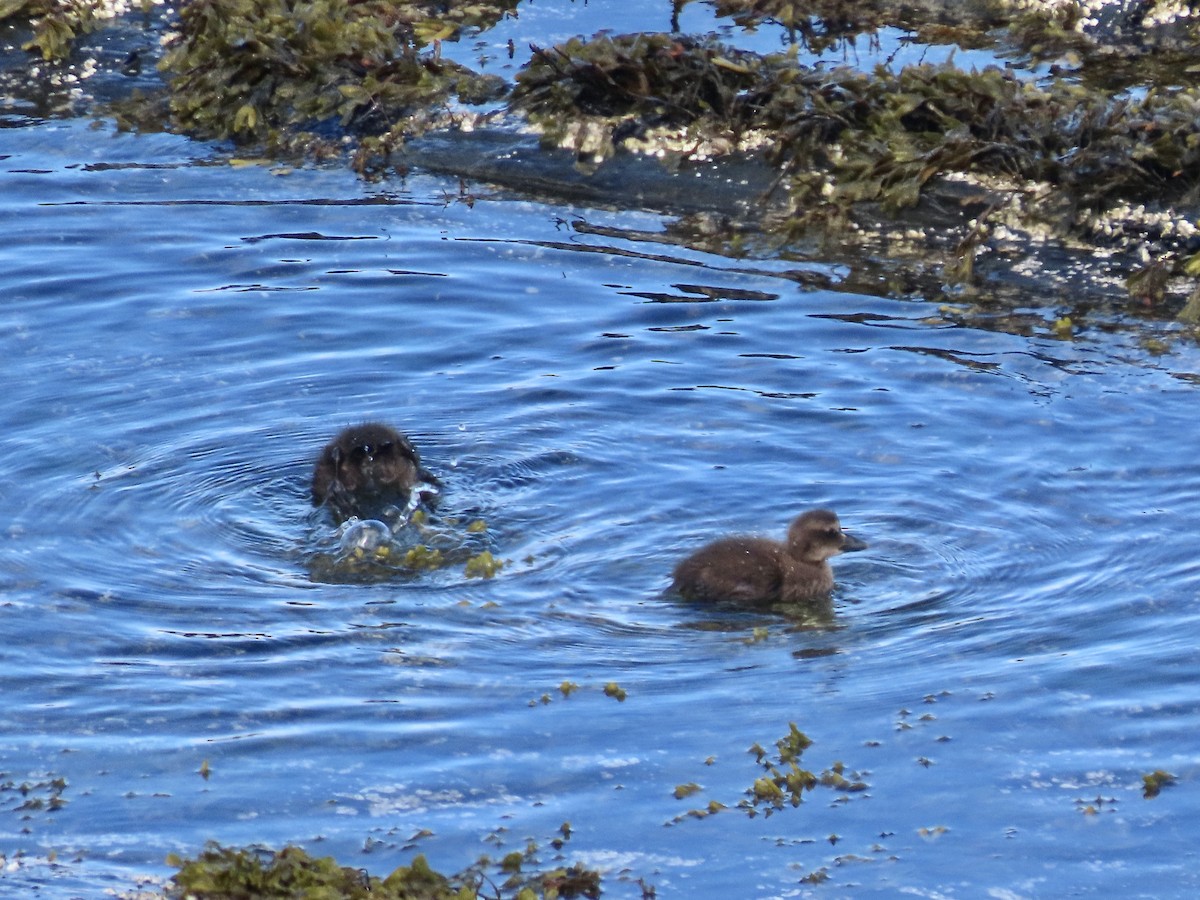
[
  {"x": 759, "y": 571},
  {"x": 368, "y": 463}
]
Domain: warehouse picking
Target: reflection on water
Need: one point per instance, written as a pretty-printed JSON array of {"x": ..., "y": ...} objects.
[{"x": 181, "y": 340}]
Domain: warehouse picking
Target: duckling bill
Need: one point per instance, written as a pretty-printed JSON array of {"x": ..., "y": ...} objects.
[
  {"x": 367, "y": 464},
  {"x": 758, "y": 571}
]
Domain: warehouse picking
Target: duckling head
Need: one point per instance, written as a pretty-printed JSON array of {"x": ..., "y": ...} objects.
[
  {"x": 817, "y": 535},
  {"x": 364, "y": 460}
]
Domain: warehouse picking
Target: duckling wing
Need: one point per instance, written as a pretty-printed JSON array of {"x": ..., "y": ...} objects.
[{"x": 742, "y": 570}]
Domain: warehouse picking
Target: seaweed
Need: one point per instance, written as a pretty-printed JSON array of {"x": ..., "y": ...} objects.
[
  {"x": 1099, "y": 150},
  {"x": 226, "y": 872},
  {"x": 847, "y": 136},
  {"x": 483, "y": 565},
  {"x": 295, "y": 76},
  {"x": 1154, "y": 782},
  {"x": 222, "y": 873},
  {"x": 369, "y": 550},
  {"x": 55, "y": 23},
  {"x": 38, "y": 794},
  {"x": 614, "y": 690},
  {"x": 783, "y": 781},
  {"x": 625, "y": 86},
  {"x": 245, "y": 69},
  {"x": 1052, "y": 157}
]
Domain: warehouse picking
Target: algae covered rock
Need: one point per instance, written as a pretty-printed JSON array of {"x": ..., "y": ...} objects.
[{"x": 276, "y": 71}]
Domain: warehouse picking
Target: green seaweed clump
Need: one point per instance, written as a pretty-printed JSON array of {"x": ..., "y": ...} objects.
[
  {"x": 574, "y": 881},
  {"x": 27, "y": 797},
  {"x": 296, "y": 76},
  {"x": 226, "y": 873},
  {"x": 627, "y": 84},
  {"x": 614, "y": 690},
  {"x": 884, "y": 136},
  {"x": 1051, "y": 157},
  {"x": 835, "y": 777},
  {"x": 247, "y": 69},
  {"x": 483, "y": 565},
  {"x": 785, "y": 781},
  {"x": 1153, "y": 783},
  {"x": 56, "y": 24},
  {"x": 817, "y": 876},
  {"x": 220, "y": 873},
  {"x": 421, "y": 558},
  {"x": 782, "y": 782}
]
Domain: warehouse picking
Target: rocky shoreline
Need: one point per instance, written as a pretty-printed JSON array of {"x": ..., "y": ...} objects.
[{"x": 1066, "y": 173}]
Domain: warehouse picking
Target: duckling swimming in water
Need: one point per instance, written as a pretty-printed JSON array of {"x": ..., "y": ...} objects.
[
  {"x": 369, "y": 463},
  {"x": 759, "y": 571}
]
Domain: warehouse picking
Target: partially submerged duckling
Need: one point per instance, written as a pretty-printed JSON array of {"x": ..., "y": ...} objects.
[
  {"x": 366, "y": 464},
  {"x": 759, "y": 571}
]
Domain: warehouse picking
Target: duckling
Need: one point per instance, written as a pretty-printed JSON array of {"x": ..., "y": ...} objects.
[
  {"x": 759, "y": 571},
  {"x": 369, "y": 463}
]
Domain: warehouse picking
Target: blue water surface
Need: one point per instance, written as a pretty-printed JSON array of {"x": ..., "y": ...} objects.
[{"x": 181, "y": 336}]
